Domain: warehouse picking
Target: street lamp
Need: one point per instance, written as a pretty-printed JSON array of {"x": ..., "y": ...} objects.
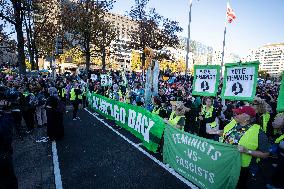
[{"x": 188, "y": 37}]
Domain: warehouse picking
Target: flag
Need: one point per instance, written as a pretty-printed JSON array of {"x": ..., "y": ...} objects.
[{"x": 230, "y": 13}]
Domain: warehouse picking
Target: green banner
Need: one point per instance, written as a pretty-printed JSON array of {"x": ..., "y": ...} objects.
[
  {"x": 206, "y": 80},
  {"x": 240, "y": 81},
  {"x": 206, "y": 163},
  {"x": 143, "y": 124},
  {"x": 280, "y": 100}
]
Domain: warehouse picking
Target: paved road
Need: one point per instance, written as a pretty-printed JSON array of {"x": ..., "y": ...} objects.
[{"x": 93, "y": 156}]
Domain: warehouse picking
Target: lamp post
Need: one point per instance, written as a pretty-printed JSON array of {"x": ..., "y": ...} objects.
[{"x": 188, "y": 37}]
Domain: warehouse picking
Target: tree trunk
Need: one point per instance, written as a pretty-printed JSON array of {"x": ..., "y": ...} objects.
[
  {"x": 30, "y": 40},
  {"x": 103, "y": 58},
  {"x": 36, "y": 58},
  {"x": 30, "y": 49},
  {"x": 20, "y": 37},
  {"x": 88, "y": 57}
]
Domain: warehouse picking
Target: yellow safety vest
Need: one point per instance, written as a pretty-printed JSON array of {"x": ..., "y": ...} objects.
[
  {"x": 63, "y": 91},
  {"x": 156, "y": 111},
  {"x": 249, "y": 140},
  {"x": 265, "y": 120},
  {"x": 72, "y": 94},
  {"x": 174, "y": 120},
  {"x": 26, "y": 94},
  {"x": 278, "y": 140},
  {"x": 209, "y": 114}
]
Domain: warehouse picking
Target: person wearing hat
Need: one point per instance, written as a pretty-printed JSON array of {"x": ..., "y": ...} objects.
[
  {"x": 251, "y": 140},
  {"x": 277, "y": 180}
]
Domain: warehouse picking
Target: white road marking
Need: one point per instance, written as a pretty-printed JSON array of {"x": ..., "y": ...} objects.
[
  {"x": 137, "y": 146},
  {"x": 56, "y": 169}
]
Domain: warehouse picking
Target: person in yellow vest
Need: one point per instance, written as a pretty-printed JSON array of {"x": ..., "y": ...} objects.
[
  {"x": 128, "y": 95},
  {"x": 76, "y": 100},
  {"x": 251, "y": 140},
  {"x": 207, "y": 118},
  {"x": 177, "y": 118},
  {"x": 263, "y": 115},
  {"x": 277, "y": 178},
  {"x": 157, "y": 105}
]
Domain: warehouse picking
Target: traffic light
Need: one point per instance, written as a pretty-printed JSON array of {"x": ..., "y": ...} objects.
[{"x": 58, "y": 45}]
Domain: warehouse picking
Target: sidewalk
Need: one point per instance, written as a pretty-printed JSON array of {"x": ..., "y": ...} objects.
[{"x": 33, "y": 161}]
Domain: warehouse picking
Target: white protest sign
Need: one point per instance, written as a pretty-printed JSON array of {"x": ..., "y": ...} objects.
[
  {"x": 109, "y": 80},
  {"x": 206, "y": 79},
  {"x": 240, "y": 81},
  {"x": 94, "y": 77},
  {"x": 104, "y": 80}
]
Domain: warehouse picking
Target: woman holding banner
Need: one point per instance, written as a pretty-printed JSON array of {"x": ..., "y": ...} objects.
[
  {"x": 207, "y": 118},
  {"x": 251, "y": 140}
]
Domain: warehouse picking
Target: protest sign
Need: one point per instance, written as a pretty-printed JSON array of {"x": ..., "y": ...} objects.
[
  {"x": 143, "y": 124},
  {"x": 280, "y": 100},
  {"x": 94, "y": 77},
  {"x": 206, "y": 80},
  {"x": 240, "y": 81},
  {"x": 206, "y": 163},
  {"x": 106, "y": 80}
]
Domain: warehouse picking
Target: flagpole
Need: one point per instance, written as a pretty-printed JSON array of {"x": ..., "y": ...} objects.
[
  {"x": 188, "y": 38},
  {"x": 223, "y": 51}
]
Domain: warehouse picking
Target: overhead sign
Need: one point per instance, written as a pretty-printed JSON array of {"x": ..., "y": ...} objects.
[
  {"x": 240, "y": 81},
  {"x": 206, "y": 163},
  {"x": 206, "y": 80},
  {"x": 280, "y": 101}
]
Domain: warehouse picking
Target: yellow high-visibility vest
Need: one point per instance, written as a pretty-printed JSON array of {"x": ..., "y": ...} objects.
[
  {"x": 249, "y": 140},
  {"x": 208, "y": 114}
]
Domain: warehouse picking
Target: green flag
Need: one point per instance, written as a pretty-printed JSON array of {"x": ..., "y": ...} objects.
[
  {"x": 280, "y": 101},
  {"x": 206, "y": 80},
  {"x": 206, "y": 163},
  {"x": 240, "y": 81}
]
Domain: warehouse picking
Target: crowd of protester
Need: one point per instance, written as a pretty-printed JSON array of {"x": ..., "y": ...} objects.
[{"x": 41, "y": 102}]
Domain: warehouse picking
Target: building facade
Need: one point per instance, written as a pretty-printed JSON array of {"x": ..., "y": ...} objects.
[
  {"x": 271, "y": 58},
  {"x": 120, "y": 55}
]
